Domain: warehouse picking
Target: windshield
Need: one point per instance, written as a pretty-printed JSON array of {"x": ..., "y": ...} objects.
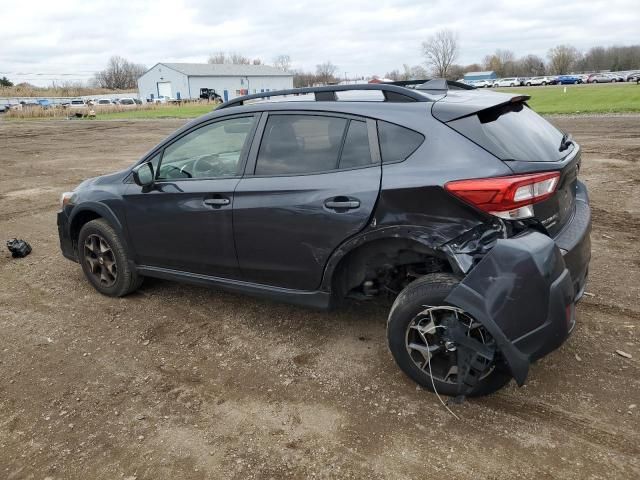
[{"x": 513, "y": 132}]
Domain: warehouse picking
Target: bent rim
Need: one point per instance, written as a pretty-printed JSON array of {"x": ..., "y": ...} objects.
[
  {"x": 428, "y": 349},
  {"x": 100, "y": 260}
]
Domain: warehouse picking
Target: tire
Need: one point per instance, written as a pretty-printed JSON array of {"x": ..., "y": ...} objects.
[
  {"x": 528, "y": 84},
  {"x": 512, "y": 85},
  {"x": 613, "y": 80},
  {"x": 429, "y": 290},
  {"x": 104, "y": 260},
  {"x": 544, "y": 84},
  {"x": 576, "y": 82}
]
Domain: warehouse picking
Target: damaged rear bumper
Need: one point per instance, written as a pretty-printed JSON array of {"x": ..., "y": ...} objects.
[{"x": 525, "y": 288}]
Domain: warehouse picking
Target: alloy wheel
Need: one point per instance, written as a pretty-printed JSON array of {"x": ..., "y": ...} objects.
[
  {"x": 100, "y": 259},
  {"x": 429, "y": 348}
]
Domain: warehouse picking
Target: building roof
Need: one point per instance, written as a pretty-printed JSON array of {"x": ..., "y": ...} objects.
[
  {"x": 479, "y": 74},
  {"x": 226, "y": 70}
]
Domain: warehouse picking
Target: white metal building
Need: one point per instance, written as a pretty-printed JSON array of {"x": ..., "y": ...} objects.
[{"x": 184, "y": 80}]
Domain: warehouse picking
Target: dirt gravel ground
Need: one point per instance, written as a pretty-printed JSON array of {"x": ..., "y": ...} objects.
[{"x": 177, "y": 381}]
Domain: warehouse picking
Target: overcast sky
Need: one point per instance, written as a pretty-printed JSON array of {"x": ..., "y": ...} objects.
[{"x": 41, "y": 41}]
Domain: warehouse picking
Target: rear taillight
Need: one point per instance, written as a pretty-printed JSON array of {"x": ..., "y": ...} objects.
[{"x": 506, "y": 197}]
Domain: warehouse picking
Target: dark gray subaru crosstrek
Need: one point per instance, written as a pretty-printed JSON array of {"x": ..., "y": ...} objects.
[{"x": 463, "y": 207}]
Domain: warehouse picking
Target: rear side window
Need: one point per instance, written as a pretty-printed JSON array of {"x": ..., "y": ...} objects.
[
  {"x": 355, "y": 152},
  {"x": 301, "y": 144},
  {"x": 396, "y": 142}
]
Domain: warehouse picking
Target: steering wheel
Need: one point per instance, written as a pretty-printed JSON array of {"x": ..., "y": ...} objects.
[
  {"x": 204, "y": 164},
  {"x": 181, "y": 171}
]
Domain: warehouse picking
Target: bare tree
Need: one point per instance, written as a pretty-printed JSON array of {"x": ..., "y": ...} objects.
[
  {"x": 440, "y": 51},
  {"x": 283, "y": 62},
  {"x": 562, "y": 59},
  {"x": 530, "y": 66},
  {"x": 120, "y": 74},
  {"x": 234, "y": 58},
  {"x": 502, "y": 62},
  {"x": 325, "y": 72}
]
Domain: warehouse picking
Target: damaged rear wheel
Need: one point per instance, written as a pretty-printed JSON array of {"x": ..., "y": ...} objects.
[{"x": 439, "y": 346}]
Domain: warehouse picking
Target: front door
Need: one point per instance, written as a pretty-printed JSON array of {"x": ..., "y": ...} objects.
[
  {"x": 184, "y": 221},
  {"x": 312, "y": 184}
]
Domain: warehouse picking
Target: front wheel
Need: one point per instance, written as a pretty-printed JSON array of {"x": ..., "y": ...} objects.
[
  {"x": 104, "y": 260},
  {"x": 528, "y": 84},
  {"x": 544, "y": 83},
  {"x": 421, "y": 332}
]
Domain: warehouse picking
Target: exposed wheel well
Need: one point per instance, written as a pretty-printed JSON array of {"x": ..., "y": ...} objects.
[
  {"x": 384, "y": 267},
  {"x": 78, "y": 222}
]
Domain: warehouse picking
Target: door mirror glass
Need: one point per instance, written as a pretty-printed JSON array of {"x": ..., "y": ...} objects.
[{"x": 143, "y": 174}]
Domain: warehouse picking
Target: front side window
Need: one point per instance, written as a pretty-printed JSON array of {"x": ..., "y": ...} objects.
[
  {"x": 302, "y": 144},
  {"x": 209, "y": 152}
]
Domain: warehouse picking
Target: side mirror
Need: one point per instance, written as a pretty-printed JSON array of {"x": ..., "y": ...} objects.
[{"x": 143, "y": 174}]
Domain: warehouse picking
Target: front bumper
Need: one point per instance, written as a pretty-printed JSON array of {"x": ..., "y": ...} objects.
[
  {"x": 64, "y": 234},
  {"x": 525, "y": 289}
]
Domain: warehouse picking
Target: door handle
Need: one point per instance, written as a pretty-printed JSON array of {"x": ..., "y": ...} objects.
[
  {"x": 217, "y": 202},
  {"x": 339, "y": 203}
]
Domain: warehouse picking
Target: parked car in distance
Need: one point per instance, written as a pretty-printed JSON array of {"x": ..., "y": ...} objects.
[
  {"x": 599, "y": 78},
  {"x": 543, "y": 80},
  {"x": 482, "y": 83},
  {"x": 162, "y": 99},
  {"x": 616, "y": 77},
  {"x": 569, "y": 79},
  {"x": 103, "y": 102},
  {"x": 631, "y": 76},
  {"x": 77, "y": 103},
  {"x": 483, "y": 257},
  {"x": 507, "y": 82},
  {"x": 127, "y": 102}
]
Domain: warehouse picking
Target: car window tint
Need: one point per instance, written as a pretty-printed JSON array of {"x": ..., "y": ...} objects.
[
  {"x": 298, "y": 144},
  {"x": 355, "y": 152},
  {"x": 396, "y": 142},
  {"x": 208, "y": 152}
]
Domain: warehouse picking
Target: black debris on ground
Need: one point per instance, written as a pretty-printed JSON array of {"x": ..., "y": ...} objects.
[{"x": 18, "y": 248}]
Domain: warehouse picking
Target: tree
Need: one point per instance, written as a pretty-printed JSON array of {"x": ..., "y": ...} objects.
[
  {"x": 120, "y": 74},
  {"x": 325, "y": 72},
  {"x": 440, "y": 51},
  {"x": 530, "y": 66},
  {"x": 562, "y": 59},
  {"x": 283, "y": 62},
  {"x": 502, "y": 62},
  {"x": 233, "y": 58},
  {"x": 5, "y": 82}
]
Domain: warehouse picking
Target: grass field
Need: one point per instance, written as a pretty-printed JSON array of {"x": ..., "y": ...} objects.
[
  {"x": 190, "y": 110},
  {"x": 582, "y": 98}
]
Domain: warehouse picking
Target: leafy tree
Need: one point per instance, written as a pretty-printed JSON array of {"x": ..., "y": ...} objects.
[{"x": 5, "y": 82}]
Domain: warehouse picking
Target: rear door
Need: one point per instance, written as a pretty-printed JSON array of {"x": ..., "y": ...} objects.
[{"x": 312, "y": 181}]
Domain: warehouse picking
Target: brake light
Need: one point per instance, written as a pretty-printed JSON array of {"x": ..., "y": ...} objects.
[{"x": 509, "y": 197}]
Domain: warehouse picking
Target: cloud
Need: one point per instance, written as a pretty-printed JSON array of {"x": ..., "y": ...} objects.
[{"x": 71, "y": 39}]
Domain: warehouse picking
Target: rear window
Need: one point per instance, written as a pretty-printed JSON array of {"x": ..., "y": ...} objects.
[
  {"x": 396, "y": 142},
  {"x": 513, "y": 132}
]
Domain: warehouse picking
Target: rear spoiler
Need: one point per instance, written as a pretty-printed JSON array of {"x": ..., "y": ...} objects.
[{"x": 460, "y": 104}]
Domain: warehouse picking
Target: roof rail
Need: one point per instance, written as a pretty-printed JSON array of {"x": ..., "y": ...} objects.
[
  {"x": 392, "y": 93},
  {"x": 429, "y": 84}
]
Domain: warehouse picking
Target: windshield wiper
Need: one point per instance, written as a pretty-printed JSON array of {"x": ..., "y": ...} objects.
[{"x": 566, "y": 141}]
